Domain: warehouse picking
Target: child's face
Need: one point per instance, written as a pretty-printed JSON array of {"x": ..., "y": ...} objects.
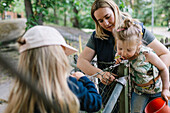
[{"x": 127, "y": 49}]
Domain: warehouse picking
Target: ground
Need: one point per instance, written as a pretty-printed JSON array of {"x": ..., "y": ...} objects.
[{"x": 68, "y": 33}]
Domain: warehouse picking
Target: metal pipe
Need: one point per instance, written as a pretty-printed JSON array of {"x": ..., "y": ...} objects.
[
  {"x": 115, "y": 94},
  {"x": 152, "y": 16}
]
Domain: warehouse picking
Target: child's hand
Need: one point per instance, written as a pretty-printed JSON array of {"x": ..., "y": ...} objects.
[
  {"x": 119, "y": 59},
  {"x": 166, "y": 95},
  {"x": 77, "y": 75}
]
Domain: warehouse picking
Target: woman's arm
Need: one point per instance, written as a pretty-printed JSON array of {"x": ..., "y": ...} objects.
[
  {"x": 156, "y": 61},
  {"x": 84, "y": 59},
  {"x": 161, "y": 51},
  {"x": 157, "y": 46},
  {"x": 83, "y": 63}
]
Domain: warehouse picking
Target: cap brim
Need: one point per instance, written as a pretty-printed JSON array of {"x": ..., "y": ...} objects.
[{"x": 69, "y": 50}]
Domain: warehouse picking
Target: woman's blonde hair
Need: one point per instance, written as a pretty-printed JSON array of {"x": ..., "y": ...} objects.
[
  {"x": 49, "y": 66},
  {"x": 117, "y": 13}
]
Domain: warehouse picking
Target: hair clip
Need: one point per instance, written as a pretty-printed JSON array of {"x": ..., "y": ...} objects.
[
  {"x": 140, "y": 32},
  {"x": 120, "y": 29}
]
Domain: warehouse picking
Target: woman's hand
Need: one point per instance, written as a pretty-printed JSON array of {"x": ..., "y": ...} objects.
[
  {"x": 106, "y": 77},
  {"x": 77, "y": 75},
  {"x": 166, "y": 95}
]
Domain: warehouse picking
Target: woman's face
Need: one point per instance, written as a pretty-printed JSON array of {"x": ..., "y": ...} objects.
[{"x": 105, "y": 18}]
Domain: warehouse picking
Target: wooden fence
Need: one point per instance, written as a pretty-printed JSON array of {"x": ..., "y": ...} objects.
[{"x": 166, "y": 42}]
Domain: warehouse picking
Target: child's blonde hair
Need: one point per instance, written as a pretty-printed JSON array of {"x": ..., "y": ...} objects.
[
  {"x": 128, "y": 29},
  {"x": 49, "y": 66}
]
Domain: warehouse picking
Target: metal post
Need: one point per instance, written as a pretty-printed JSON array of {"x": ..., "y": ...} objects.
[
  {"x": 152, "y": 16},
  {"x": 115, "y": 95},
  {"x": 120, "y": 91},
  {"x": 124, "y": 98}
]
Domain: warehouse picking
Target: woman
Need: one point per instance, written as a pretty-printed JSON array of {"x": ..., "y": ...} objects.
[
  {"x": 43, "y": 59},
  {"x": 108, "y": 17}
]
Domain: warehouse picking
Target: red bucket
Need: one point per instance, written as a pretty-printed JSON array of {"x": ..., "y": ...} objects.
[{"x": 157, "y": 105}]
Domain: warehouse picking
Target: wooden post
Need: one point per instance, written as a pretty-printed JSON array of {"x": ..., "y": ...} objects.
[
  {"x": 80, "y": 45},
  {"x": 162, "y": 40},
  {"x": 166, "y": 40}
]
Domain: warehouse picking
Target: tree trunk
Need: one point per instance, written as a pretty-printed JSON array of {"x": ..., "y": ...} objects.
[
  {"x": 39, "y": 15},
  {"x": 75, "y": 21},
  {"x": 65, "y": 18},
  {"x": 28, "y": 8},
  {"x": 3, "y": 15},
  {"x": 131, "y": 3},
  {"x": 55, "y": 15},
  {"x": 40, "y": 18}
]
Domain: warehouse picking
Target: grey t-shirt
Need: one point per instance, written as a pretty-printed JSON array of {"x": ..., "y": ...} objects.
[{"x": 148, "y": 37}]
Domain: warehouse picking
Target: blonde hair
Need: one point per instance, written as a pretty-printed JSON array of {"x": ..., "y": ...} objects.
[
  {"x": 129, "y": 28},
  {"x": 127, "y": 31},
  {"x": 117, "y": 13},
  {"x": 49, "y": 66}
]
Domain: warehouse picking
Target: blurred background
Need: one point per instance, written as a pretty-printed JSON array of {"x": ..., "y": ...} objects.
[{"x": 76, "y": 13}]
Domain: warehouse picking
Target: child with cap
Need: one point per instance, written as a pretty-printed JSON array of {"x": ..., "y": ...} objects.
[{"x": 43, "y": 57}]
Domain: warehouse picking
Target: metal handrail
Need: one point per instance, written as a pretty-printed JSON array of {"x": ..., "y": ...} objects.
[
  {"x": 121, "y": 83},
  {"x": 167, "y": 44},
  {"x": 115, "y": 94}
]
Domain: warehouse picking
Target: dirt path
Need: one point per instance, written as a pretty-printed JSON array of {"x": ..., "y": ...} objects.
[
  {"x": 5, "y": 80},
  {"x": 4, "y": 91}
]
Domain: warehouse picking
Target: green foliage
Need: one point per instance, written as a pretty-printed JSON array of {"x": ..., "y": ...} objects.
[
  {"x": 18, "y": 6},
  {"x": 121, "y": 5},
  {"x": 40, "y": 10},
  {"x": 5, "y": 5},
  {"x": 65, "y": 15},
  {"x": 162, "y": 9},
  {"x": 83, "y": 16},
  {"x": 143, "y": 11},
  {"x": 31, "y": 22}
]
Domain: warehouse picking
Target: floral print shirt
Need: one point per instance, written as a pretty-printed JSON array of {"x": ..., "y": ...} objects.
[{"x": 142, "y": 72}]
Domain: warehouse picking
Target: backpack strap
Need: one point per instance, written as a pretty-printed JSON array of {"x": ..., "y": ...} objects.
[
  {"x": 141, "y": 24},
  {"x": 149, "y": 83}
]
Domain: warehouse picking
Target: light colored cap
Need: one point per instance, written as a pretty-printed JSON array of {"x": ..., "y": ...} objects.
[{"x": 39, "y": 36}]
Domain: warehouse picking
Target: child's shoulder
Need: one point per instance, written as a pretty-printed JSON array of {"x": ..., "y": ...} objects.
[{"x": 145, "y": 49}]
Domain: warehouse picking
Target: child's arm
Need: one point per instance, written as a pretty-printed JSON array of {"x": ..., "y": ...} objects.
[{"x": 155, "y": 60}]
